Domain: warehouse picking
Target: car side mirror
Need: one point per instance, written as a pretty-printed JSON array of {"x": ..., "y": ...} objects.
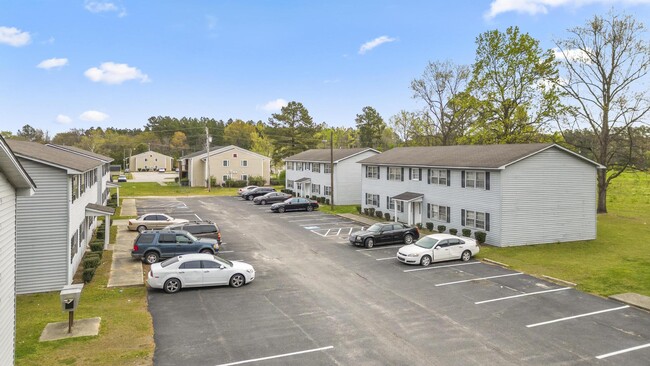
[{"x": 222, "y": 267}]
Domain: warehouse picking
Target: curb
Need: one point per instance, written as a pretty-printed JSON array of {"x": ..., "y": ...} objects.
[
  {"x": 632, "y": 299},
  {"x": 495, "y": 262}
]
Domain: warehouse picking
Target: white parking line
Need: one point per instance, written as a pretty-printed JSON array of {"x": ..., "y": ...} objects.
[
  {"x": 577, "y": 316},
  {"x": 522, "y": 295},
  {"x": 328, "y": 231},
  {"x": 226, "y": 251},
  {"x": 385, "y": 259},
  {"x": 316, "y": 219},
  {"x": 197, "y": 216},
  {"x": 350, "y": 232},
  {"x": 478, "y": 279},
  {"x": 338, "y": 232},
  {"x": 324, "y": 223},
  {"x": 436, "y": 267},
  {"x": 276, "y": 356},
  {"x": 623, "y": 351},
  {"x": 379, "y": 248},
  {"x": 317, "y": 233}
]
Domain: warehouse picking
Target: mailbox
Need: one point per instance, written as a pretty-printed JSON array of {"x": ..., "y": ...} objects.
[{"x": 70, "y": 297}]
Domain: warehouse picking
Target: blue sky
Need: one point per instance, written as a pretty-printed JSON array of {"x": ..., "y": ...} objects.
[{"x": 77, "y": 64}]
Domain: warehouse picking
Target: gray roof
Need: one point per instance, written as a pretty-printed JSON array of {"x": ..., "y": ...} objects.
[
  {"x": 52, "y": 156},
  {"x": 104, "y": 210},
  {"x": 12, "y": 169},
  {"x": 461, "y": 156},
  {"x": 77, "y": 150},
  {"x": 212, "y": 148},
  {"x": 324, "y": 154},
  {"x": 304, "y": 179},
  {"x": 408, "y": 196}
]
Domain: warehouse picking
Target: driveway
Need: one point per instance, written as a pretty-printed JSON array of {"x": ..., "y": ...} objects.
[
  {"x": 316, "y": 300},
  {"x": 153, "y": 177}
]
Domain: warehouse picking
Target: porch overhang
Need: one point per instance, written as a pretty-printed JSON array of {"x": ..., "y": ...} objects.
[
  {"x": 409, "y": 197},
  {"x": 304, "y": 180},
  {"x": 99, "y": 210}
]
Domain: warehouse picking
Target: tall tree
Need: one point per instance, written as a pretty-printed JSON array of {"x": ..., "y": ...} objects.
[
  {"x": 70, "y": 138},
  {"x": 513, "y": 83},
  {"x": 441, "y": 87},
  {"x": 409, "y": 128},
  {"x": 238, "y": 133},
  {"x": 32, "y": 134},
  {"x": 605, "y": 62},
  {"x": 371, "y": 127},
  {"x": 178, "y": 141},
  {"x": 291, "y": 131}
]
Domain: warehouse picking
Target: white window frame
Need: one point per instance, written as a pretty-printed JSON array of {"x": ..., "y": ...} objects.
[
  {"x": 290, "y": 184},
  {"x": 299, "y": 166},
  {"x": 315, "y": 167},
  {"x": 315, "y": 188},
  {"x": 226, "y": 163},
  {"x": 475, "y": 179},
  {"x": 415, "y": 174},
  {"x": 438, "y": 176},
  {"x": 372, "y": 199},
  {"x": 391, "y": 204},
  {"x": 475, "y": 219},
  {"x": 327, "y": 169},
  {"x": 439, "y": 212},
  {"x": 400, "y": 206},
  {"x": 327, "y": 190},
  {"x": 372, "y": 172},
  {"x": 225, "y": 177},
  {"x": 394, "y": 173},
  {"x": 306, "y": 166},
  {"x": 244, "y": 177},
  {"x": 244, "y": 163}
]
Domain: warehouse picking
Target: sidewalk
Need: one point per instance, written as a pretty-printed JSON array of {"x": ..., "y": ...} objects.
[
  {"x": 125, "y": 271},
  {"x": 361, "y": 219}
]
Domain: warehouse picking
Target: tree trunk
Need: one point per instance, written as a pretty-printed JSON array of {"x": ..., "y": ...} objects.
[{"x": 602, "y": 191}]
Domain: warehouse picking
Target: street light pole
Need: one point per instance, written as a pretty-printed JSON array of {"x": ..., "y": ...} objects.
[{"x": 332, "y": 170}]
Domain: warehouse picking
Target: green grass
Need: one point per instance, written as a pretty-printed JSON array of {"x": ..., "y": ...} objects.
[
  {"x": 338, "y": 209},
  {"x": 172, "y": 189},
  {"x": 617, "y": 261}
]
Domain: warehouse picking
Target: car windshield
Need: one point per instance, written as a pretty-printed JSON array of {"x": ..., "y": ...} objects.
[
  {"x": 189, "y": 235},
  {"x": 426, "y": 242},
  {"x": 375, "y": 228},
  {"x": 223, "y": 261}
]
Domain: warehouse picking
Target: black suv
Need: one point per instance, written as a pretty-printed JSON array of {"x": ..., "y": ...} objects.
[
  {"x": 151, "y": 245},
  {"x": 255, "y": 192},
  {"x": 200, "y": 229}
]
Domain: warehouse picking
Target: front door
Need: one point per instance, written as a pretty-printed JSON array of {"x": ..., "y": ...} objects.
[{"x": 416, "y": 208}]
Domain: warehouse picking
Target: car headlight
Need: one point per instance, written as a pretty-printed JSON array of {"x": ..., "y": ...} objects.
[
  {"x": 250, "y": 270},
  {"x": 412, "y": 255}
]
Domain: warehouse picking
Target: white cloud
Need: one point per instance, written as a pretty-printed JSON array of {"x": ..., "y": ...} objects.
[
  {"x": 532, "y": 7},
  {"x": 52, "y": 63},
  {"x": 274, "y": 105},
  {"x": 374, "y": 43},
  {"x": 112, "y": 73},
  {"x": 14, "y": 36},
  {"x": 93, "y": 116},
  {"x": 63, "y": 119},
  {"x": 104, "y": 6},
  {"x": 574, "y": 55}
]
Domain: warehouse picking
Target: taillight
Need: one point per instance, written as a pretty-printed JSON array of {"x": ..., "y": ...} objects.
[
  {"x": 219, "y": 236},
  {"x": 135, "y": 247}
]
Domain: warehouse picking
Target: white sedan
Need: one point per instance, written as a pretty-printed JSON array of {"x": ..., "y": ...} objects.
[
  {"x": 438, "y": 248},
  {"x": 196, "y": 270}
]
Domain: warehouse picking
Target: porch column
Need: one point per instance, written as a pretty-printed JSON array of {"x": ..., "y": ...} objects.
[
  {"x": 107, "y": 230},
  {"x": 118, "y": 196},
  {"x": 395, "y": 214},
  {"x": 410, "y": 215}
]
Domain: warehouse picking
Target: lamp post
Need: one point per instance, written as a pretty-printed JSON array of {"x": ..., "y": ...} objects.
[{"x": 332, "y": 170}]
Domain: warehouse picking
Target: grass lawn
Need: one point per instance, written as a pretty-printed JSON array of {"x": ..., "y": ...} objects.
[
  {"x": 126, "y": 330},
  {"x": 172, "y": 189},
  {"x": 617, "y": 261}
]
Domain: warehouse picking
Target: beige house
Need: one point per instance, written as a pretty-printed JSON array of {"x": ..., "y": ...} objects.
[
  {"x": 226, "y": 162},
  {"x": 150, "y": 160}
]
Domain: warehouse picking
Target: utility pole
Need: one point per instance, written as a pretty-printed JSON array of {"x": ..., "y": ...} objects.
[
  {"x": 332, "y": 169},
  {"x": 207, "y": 159}
]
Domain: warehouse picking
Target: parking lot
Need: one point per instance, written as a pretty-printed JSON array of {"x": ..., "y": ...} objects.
[{"x": 318, "y": 300}]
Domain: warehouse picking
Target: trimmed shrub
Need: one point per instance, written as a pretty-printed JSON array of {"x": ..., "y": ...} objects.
[
  {"x": 96, "y": 247},
  {"x": 327, "y": 201},
  {"x": 358, "y": 207},
  {"x": 441, "y": 228},
  {"x": 88, "y": 274},
  {"x": 387, "y": 216},
  {"x": 371, "y": 211},
  {"x": 419, "y": 225},
  {"x": 276, "y": 182},
  {"x": 282, "y": 177},
  {"x": 453, "y": 231},
  {"x": 91, "y": 262},
  {"x": 480, "y": 236},
  {"x": 467, "y": 232},
  {"x": 430, "y": 226},
  {"x": 379, "y": 214},
  {"x": 256, "y": 180},
  {"x": 366, "y": 211},
  {"x": 100, "y": 233},
  {"x": 98, "y": 254}
]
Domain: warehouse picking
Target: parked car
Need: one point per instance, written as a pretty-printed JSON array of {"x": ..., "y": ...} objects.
[
  {"x": 161, "y": 170},
  {"x": 121, "y": 178},
  {"x": 438, "y": 248},
  {"x": 385, "y": 233},
  {"x": 200, "y": 229},
  {"x": 244, "y": 189},
  {"x": 271, "y": 197},
  {"x": 259, "y": 191},
  {"x": 294, "y": 204},
  {"x": 152, "y": 245},
  {"x": 152, "y": 221},
  {"x": 127, "y": 170},
  {"x": 195, "y": 270}
]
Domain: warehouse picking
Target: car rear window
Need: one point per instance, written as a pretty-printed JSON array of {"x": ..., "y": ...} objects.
[
  {"x": 145, "y": 238},
  {"x": 169, "y": 261}
]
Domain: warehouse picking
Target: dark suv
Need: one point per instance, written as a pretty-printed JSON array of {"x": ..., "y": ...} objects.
[
  {"x": 151, "y": 245},
  {"x": 200, "y": 229},
  {"x": 255, "y": 192}
]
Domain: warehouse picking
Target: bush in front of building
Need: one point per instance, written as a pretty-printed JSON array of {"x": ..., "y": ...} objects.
[
  {"x": 467, "y": 233},
  {"x": 327, "y": 201},
  {"x": 453, "y": 231},
  {"x": 88, "y": 274},
  {"x": 371, "y": 211},
  {"x": 480, "y": 236},
  {"x": 387, "y": 216},
  {"x": 358, "y": 208},
  {"x": 91, "y": 262},
  {"x": 429, "y": 226},
  {"x": 441, "y": 228},
  {"x": 419, "y": 225},
  {"x": 366, "y": 211},
  {"x": 256, "y": 180},
  {"x": 97, "y": 246}
]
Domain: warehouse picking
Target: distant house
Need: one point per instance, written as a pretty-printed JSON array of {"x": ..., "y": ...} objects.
[
  {"x": 54, "y": 225},
  {"x": 518, "y": 194},
  {"x": 14, "y": 182},
  {"x": 308, "y": 173},
  {"x": 226, "y": 163},
  {"x": 150, "y": 161}
]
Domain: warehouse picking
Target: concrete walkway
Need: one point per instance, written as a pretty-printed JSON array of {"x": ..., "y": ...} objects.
[
  {"x": 362, "y": 219},
  {"x": 125, "y": 271}
]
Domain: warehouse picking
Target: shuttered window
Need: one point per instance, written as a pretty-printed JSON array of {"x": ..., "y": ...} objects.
[
  {"x": 439, "y": 176},
  {"x": 395, "y": 173},
  {"x": 477, "y": 220}
]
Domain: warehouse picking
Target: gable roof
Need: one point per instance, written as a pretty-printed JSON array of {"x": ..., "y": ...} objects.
[
  {"x": 219, "y": 150},
  {"x": 324, "y": 154},
  {"x": 201, "y": 152},
  {"x": 464, "y": 156},
  {"x": 148, "y": 152},
  {"x": 90, "y": 154},
  {"x": 52, "y": 156},
  {"x": 12, "y": 169}
]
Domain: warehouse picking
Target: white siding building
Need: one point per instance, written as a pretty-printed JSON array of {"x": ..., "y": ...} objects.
[
  {"x": 517, "y": 194},
  {"x": 14, "y": 182},
  {"x": 308, "y": 173},
  {"x": 54, "y": 225}
]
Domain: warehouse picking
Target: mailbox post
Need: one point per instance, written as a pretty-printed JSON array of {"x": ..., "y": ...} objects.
[{"x": 70, "y": 296}]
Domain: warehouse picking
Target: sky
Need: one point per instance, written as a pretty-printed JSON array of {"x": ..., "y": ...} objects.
[{"x": 91, "y": 63}]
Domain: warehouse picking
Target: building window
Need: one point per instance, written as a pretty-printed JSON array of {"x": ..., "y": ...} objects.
[
  {"x": 372, "y": 199},
  {"x": 315, "y": 188},
  {"x": 394, "y": 173},
  {"x": 372, "y": 172},
  {"x": 391, "y": 203},
  {"x": 244, "y": 163},
  {"x": 315, "y": 167},
  {"x": 290, "y": 184},
  {"x": 415, "y": 174},
  {"x": 438, "y": 176},
  {"x": 289, "y": 165},
  {"x": 327, "y": 190},
  {"x": 226, "y": 163},
  {"x": 400, "y": 206},
  {"x": 299, "y": 166},
  {"x": 475, "y": 180},
  {"x": 476, "y": 220},
  {"x": 328, "y": 168},
  {"x": 75, "y": 187},
  {"x": 438, "y": 212},
  {"x": 225, "y": 177},
  {"x": 234, "y": 155},
  {"x": 244, "y": 177},
  {"x": 74, "y": 245},
  {"x": 306, "y": 166}
]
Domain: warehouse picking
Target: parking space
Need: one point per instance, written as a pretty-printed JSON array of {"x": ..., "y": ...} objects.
[{"x": 318, "y": 303}]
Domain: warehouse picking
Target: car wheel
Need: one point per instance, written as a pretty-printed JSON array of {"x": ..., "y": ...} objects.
[
  {"x": 309, "y": 208},
  {"x": 425, "y": 261},
  {"x": 281, "y": 209},
  {"x": 467, "y": 255},
  {"x": 248, "y": 198},
  {"x": 172, "y": 285},
  {"x": 151, "y": 257},
  {"x": 206, "y": 251},
  {"x": 370, "y": 242},
  {"x": 237, "y": 280},
  {"x": 141, "y": 228},
  {"x": 408, "y": 239},
  {"x": 263, "y": 202}
]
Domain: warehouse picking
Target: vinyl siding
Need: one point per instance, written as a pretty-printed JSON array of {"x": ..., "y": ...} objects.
[
  {"x": 42, "y": 259},
  {"x": 347, "y": 179},
  {"x": 257, "y": 166},
  {"x": 154, "y": 160},
  {"x": 549, "y": 197},
  {"x": 7, "y": 271}
]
